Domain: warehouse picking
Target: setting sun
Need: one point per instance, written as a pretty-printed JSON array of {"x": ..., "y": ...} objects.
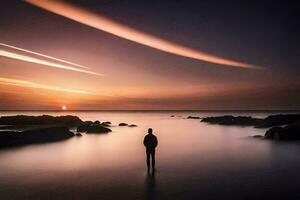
[{"x": 64, "y": 107}]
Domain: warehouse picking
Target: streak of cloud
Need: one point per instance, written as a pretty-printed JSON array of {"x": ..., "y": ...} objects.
[
  {"x": 29, "y": 84},
  {"x": 104, "y": 24},
  {"x": 43, "y": 55},
  {"x": 18, "y": 56}
]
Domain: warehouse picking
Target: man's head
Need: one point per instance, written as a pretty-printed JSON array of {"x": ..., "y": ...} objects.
[{"x": 150, "y": 130}]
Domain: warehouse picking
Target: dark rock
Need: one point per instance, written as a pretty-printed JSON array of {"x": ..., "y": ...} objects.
[
  {"x": 98, "y": 129},
  {"x": 107, "y": 124},
  {"x": 97, "y": 122},
  {"x": 67, "y": 120},
  {"x": 192, "y": 117},
  {"x": 270, "y": 134},
  {"x": 35, "y": 136},
  {"x": 123, "y": 124},
  {"x": 270, "y": 121},
  {"x": 9, "y": 127},
  {"x": 132, "y": 125},
  {"x": 172, "y": 115},
  {"x": 5, "y": 127},
  {"x": 231, "y": 120},
  {"x": 258, "y": 136},
  {"x": 92, "y": 128},
  {"x": 78, "y": 134},
  {"x": 279, "y": 120},
  {"x": 83, "y": 127},
  {"x": 289, "y": 132},
  {"x": 25, "y": 127}
]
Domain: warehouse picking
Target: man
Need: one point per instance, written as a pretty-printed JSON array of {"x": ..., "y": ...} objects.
[{"x": 150, "y": 142}]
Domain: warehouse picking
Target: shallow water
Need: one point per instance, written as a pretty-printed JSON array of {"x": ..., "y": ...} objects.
[{"x": 194, "y": 160}]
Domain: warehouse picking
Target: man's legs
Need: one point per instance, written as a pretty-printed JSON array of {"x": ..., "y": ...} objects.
[
  {"x": 148, "y": 158},
  {"x": 153, "y": 158}
]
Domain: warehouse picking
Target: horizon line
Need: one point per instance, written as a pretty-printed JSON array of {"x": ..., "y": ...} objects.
[{"x": 153, "y": 110}]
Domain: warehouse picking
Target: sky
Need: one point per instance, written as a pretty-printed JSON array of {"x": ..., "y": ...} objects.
[{"x": 149, "y": 55}]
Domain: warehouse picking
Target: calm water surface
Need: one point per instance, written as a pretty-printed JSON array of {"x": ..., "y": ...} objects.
[{"x": 194, "y": 160}]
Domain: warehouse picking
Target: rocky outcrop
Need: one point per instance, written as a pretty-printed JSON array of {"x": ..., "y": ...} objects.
[
  {"x": 98, "y": 129},
  {"x": 83, "y": 127},
  {"x": 270, "y": 121},
  {"x": 92, "y": 128},
  {"x": 107, "y": 124},
  {"x": 67, "y": 120},
  {"x": 279, "y": 120},
  {"x": 272, "y": 132},
  {"x": 289, "y": 132},
  {"x": 5, "y": 127},
  {"x": 35, "y": 136},
  {"x": 97, "y": 122},
  {"x": 231, "y": 120}
]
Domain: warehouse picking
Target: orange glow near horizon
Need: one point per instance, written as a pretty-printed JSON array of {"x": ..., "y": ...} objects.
[
  {"x": 104, "y": 24},
  {"x": 25, "y": 83}
]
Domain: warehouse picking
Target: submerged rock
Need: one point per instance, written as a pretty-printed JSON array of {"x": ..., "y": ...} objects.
[
  {"x": 123, "y": 124},
  {"x": 132, "y": 125},
  {"x": 35, "y": 136},
  {"x": 192, "y": 117},
  {"x": 258, "y": 136}
]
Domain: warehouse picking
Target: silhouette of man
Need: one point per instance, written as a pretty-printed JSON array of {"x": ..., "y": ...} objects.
[{"x": 150, "y": 142}]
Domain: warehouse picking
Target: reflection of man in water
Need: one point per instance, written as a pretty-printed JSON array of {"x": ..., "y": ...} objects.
[{"x": 150, "y": 142}]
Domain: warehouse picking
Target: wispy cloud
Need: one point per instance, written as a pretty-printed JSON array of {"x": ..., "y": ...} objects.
[
  {"x": 30, "y": 84},
  {"x": 104, "y": 24},
  {"x": 31, "y": 59},
  {"x": 43, "y": 55}
]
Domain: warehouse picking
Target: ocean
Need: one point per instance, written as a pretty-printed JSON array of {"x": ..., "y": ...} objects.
[{"x": 194, "y": 160}]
